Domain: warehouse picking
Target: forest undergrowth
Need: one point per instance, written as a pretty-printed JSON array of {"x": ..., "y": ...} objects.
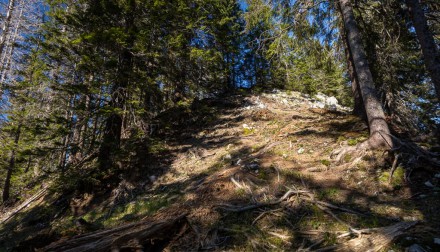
[{"x": 248, "y": 172}]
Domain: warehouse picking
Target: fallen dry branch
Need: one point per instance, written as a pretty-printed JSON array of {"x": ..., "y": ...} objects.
[
  {"x": 378, "y": 240},
  {"x": 24, "y": 205},
  {"x": 146, "y": 235}
]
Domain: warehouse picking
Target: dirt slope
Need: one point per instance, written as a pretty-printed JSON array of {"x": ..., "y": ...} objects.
[{"x": 226, "y": 163}]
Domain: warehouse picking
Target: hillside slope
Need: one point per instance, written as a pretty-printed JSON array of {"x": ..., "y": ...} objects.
[{"x": 246, "y": 173}]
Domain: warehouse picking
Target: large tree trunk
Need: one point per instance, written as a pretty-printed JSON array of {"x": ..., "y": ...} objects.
[
  {"x": 426, "y": 40},
  {"x": 11, "y": 166},
  {"x": 380, "y": 136}
]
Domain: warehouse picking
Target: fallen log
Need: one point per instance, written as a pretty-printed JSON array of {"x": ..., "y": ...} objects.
[{"x": 141, "y": 236}]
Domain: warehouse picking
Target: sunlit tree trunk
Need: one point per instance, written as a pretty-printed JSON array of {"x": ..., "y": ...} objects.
[{"x": 380, "y": 136}]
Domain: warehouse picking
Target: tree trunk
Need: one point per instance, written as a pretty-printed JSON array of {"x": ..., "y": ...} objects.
[
  {"x": 359, "y": 109},
  {"x": 113, "y": 128},
  {"x": 426, "y": 40},
  {"x": 11, "y": 166},
  {"x": 380, "y": 136},
  {"x": 7, "y": 56},
  {"x": 4, "y": 36},
  {"x": 6, "y": 25}
]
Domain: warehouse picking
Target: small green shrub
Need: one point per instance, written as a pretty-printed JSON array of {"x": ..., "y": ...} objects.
[
  {"x": 352, "y": 142},
  {"x": 341, "y": 139},
  {"x": 247, "y": 131},
  {"x": 325, "y": 162}
]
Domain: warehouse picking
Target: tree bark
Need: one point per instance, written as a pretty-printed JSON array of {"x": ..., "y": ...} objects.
[
  {"x": 427, "y": 43},
  {"x": 380, "y": 136}
]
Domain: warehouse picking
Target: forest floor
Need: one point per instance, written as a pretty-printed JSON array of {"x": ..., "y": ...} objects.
[{"x": 225, "y": 164}]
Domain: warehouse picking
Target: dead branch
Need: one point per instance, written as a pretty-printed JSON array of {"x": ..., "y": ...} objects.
[{"x": 393, "y": 167}]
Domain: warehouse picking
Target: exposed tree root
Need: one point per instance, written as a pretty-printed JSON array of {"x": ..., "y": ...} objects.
[
  {"x": 341, "y": 154},
  {"x": 407, "y": 154}
]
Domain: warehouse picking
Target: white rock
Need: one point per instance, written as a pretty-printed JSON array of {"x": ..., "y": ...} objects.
[
  {"x": 152, "y": 178},
  {"x": 320, "y": 97},
  {"x": 227, "y": 157},
  {"x": 429, "y": 184},
  {"x": 332, "y": 107},
  {"x": 301, "y": 151},
  {"x": 238, "y": 161},
  {"x": 245, "y": 126},
  {"x": 318, "y": 105},
  {"x": 331, "y": 101}
]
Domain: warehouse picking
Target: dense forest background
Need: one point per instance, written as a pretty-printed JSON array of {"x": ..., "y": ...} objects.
[{"x": 83, "y": 81}]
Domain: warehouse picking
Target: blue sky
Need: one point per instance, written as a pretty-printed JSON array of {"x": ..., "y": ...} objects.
[{"x": 243, "y": 4}]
